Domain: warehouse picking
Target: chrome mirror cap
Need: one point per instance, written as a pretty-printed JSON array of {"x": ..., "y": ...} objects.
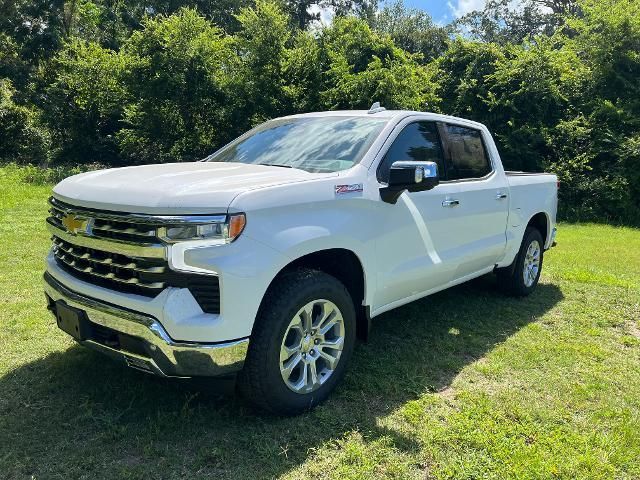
[
  {"x": 410, "y": 176},
  {"x": 422, "y": 170}
]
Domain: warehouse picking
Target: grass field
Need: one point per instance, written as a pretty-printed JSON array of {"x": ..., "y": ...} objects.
[{"x": 464, "y": 384}]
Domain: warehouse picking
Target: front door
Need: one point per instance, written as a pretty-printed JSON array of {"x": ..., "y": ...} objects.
[{"x": 415, "y": 252}]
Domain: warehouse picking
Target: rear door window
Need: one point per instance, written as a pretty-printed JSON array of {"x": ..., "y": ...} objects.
[{"x": 469, "y": 157}]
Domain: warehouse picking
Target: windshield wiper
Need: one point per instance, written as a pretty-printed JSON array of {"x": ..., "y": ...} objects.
[{"x": 275, "y": 165}]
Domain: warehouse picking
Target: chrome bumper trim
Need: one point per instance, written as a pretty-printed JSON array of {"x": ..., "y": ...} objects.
[{"x": 165, "y": 357}]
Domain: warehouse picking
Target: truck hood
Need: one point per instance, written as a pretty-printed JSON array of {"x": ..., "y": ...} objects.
[{"x": 198, "y": 187}]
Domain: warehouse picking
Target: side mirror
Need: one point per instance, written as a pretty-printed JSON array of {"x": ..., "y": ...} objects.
[{"x": 410, "y": 176}]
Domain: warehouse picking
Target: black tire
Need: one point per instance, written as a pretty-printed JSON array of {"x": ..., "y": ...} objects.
[
  {"x": 511, "y": 279},
  {"x": 260, "y": 380}
]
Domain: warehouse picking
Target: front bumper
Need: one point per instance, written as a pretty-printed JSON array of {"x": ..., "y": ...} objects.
[{"x": 141, "y": 341}]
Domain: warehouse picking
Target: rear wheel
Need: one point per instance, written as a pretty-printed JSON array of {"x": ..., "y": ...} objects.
[
  {"x": 521, "y": 278},
  {"x": 301, "y": 343}
]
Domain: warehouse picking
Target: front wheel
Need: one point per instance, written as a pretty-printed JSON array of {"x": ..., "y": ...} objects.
[
  {"x": 301, "y": 343},
  {"x": 521, "y": 278}
]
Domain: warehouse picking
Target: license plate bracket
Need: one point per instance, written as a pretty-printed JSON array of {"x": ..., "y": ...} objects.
[{"x": 72, "y": 321}]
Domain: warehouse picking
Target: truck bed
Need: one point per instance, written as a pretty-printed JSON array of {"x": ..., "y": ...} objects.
[{"x": 516, "y": 173}]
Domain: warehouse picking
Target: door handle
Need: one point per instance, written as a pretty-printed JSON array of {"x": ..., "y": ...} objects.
[
  {"x": 500, "y": 196},
  {"x": 450, "y": 203}
]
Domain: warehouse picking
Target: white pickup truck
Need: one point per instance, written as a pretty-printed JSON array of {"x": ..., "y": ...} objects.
[{"x": 270, "y": 257}]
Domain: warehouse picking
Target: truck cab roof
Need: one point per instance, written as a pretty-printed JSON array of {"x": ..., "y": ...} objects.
[{"x": 390, "y": 115}]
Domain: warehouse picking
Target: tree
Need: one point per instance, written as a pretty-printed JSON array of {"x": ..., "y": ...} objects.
[
  {"x": 303, "y": 71},
  {"x": 126, "y": 81},
  {"x": 504, "y": 21},
  {"x": 519, "y": 92},
  {"x": 363, "y": 9},
  {"x": 461, "y": 77},
  {"x": 12, "y": 65},
  {"x": 363, "y": 66},
  {"x": 23, "y": 138},
  {"x": 302, "y": 14},
  {"x": 261, "y": 44},
  {"x": 606, "y": 37},
  {"x": 84, "y": 103},
  {"x": 36, "y": 26},
  {"x": 412, "y": 30},
  {"x": 179, "y": 77},
  {"x": 566, "y": 101}
]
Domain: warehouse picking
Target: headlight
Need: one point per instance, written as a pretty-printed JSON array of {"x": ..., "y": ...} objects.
[{"x": 226, "y": 231}]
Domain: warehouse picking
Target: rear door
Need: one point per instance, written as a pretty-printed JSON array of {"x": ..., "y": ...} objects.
[{"x": 479, "y": 206}]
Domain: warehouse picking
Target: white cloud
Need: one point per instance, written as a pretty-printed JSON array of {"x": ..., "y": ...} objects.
[
  {"x": 462, "y": 7},
  {"x": 326, "y": 14}
]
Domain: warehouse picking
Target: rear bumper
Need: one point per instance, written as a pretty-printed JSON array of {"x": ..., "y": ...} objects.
[{"x": 141, "y": 341}]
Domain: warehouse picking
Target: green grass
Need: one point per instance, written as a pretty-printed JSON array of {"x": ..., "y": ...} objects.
[{"x": 464, "y": 384}]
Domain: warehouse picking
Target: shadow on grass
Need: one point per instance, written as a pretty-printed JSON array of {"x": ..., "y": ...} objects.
[{"x": 77, "y": 414}]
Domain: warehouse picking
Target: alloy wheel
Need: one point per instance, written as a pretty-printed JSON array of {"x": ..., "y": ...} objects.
[{"x": 312, "y": 346}]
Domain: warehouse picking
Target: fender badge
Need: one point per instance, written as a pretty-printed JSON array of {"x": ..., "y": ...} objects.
[{"x": 355, "y": 187}]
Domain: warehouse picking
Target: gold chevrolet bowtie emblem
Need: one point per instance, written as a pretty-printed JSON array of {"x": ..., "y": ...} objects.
[{"x": 72, "y": 223}]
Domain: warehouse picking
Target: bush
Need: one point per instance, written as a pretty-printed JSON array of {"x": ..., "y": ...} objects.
[
  {"x": 178, "y": 73},
  {"x": 85, "y": 102},
  {"x": 23, "y": 139}
]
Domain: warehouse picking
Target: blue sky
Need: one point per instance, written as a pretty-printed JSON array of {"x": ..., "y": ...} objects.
[
  {"x": 444, "y": 11},
  {"x": 439, "y": 10}
]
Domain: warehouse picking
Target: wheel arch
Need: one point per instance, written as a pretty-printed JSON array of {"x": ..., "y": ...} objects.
[
  {"x": 344, "y": 265},
  {"x": 541, "y": 222}
]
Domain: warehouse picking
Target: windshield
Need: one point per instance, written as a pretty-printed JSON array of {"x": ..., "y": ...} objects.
[{"x": 314, "y": 144}]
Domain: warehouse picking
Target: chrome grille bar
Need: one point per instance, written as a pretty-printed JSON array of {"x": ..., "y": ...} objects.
[
  {"x": 89, "y": 256},
  {"x": 122, "y": 248},
  {"x": 124, "y": 231},
  {"x": 109, "y": 276}
]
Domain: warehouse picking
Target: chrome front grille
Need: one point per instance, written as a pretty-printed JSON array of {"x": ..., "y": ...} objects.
[
  {"x": 121, "y": 252},
  {"x": 140, "y": 273}
]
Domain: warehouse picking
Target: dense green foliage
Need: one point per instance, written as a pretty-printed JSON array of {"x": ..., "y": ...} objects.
[
  {"x": 125, "y": 82},
  {"x": 21, "y": 139}
]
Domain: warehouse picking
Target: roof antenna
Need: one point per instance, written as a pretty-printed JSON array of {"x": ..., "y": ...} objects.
[{"x": 375, "y": 108}]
